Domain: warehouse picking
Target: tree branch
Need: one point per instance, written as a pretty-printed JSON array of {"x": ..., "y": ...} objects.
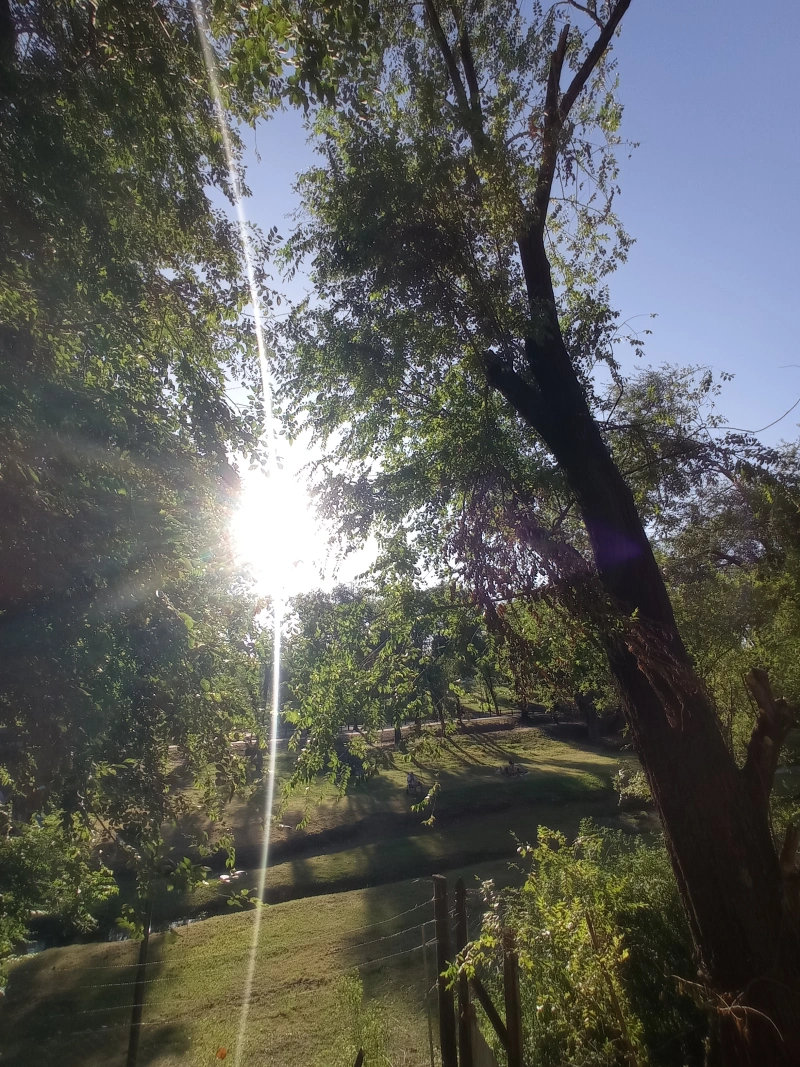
[
  {"x": 552, "y": 123},
  {"x": 520, "y": 394},
  {"x": 593, "y": 57},
  {"x": 468, "y": 64},
  {"x": 8, "y": 33},
  {"x": 775, "y": 719},
  {"x": 556, "y": 112},
  {"x": 789, "y": 852},
  {"x": 580, "y": 7},
  {"x": 447, "y": 54}
]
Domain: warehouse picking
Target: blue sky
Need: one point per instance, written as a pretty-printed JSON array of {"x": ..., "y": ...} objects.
[
  {"x": 711, "y": 92},
  {"x": 712, "y": 95}
]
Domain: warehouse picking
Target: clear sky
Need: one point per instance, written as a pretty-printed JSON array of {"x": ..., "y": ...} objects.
[{"x": 712, "y": 94}]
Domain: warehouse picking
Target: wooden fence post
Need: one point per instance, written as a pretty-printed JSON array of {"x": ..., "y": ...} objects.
[
  {"x": 138, "y": 991},
  {"x": 462, "y": 936},
  {"x": 447, "y": 1010},
  {"x": 513, "y": 1006}
]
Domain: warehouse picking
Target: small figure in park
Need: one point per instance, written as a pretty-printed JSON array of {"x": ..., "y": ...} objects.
[
  {"x": 512, "y": 768},
  {"x": 413, "y": 784}
]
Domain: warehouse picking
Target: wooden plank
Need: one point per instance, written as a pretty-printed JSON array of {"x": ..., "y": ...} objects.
[
  {"x": 492, "y": 1014},
  {"x": 464, "y": 1031},
  {"x": 512, "y": 997}
]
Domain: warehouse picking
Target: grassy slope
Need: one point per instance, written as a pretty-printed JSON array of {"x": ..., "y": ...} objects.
[
  {"x": 193, "y": 1005},
  {"x": 58, "y": 1001},
  {"x": 371, "y": 835}
]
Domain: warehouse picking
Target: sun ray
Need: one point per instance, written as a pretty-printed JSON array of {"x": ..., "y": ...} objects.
[{"x": 273, "y": 472}]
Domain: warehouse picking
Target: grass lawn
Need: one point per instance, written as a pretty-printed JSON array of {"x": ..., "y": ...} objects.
[
  {"x": 70, "y": 1006},
  {"x": 372, "y": 835}
]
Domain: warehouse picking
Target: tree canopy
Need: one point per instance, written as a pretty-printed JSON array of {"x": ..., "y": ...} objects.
[
  {"x": 125, "y": 626},
  {"x": 458, "y": 365}
]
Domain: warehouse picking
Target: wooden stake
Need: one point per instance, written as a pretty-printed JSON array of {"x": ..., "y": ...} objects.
[
  {"x": 138, "y": 991},
  {"x": 447, "y": 1010},
  {"x": 427, "y": 991},
  {"x": 491, "y": 1011},
  {"x": 513, "y": 1006}
]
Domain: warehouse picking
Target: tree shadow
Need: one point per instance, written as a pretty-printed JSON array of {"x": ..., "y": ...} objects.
[{"x": 73, "y": 1006}]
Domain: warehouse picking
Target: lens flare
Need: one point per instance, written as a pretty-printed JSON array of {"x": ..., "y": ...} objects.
[{"x": 269, "y": 434}]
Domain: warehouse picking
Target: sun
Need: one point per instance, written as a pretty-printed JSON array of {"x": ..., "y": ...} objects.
[
  {"x": 280, "y": 539},
  {"x": 277, "y": 534}
]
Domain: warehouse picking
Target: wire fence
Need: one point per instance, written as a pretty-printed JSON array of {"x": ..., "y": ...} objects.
[{"x": 88, "y": 1016}]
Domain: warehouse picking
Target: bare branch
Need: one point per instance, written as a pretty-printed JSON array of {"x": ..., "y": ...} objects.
[
  {"x": 593, "y": 57},
  {"x": 447, "y": 55},
  {"x": 775, "y": 719},
  {"x": 580, "y": 7}
]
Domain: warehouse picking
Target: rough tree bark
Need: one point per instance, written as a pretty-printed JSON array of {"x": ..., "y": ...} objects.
[{"x": 740, "y": 896}]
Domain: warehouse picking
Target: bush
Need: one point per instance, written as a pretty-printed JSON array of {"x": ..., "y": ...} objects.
[
  {"x": 48, "y": 868},
  {"x": 603, "y": 945},
  {"x": 633, "y": 788}
]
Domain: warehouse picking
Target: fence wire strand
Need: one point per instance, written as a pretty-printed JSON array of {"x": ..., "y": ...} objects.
[{"x": 93, "y": 1036}]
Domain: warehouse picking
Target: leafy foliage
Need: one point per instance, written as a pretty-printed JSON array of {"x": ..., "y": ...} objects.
[
  {"x": 410, "y": 227},
  {"x": 376, "y": 658},
  {"x": 46, "y": 868},
  {"x": 602, "y": 944},
  {"x": 124, "y": 625}
]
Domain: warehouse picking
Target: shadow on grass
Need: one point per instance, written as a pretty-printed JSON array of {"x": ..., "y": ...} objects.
[{"x": 79, "y": 1015}]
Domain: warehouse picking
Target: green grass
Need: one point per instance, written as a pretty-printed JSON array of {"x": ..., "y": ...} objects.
[
  {"x": 372, "y": 835},
  {"x": 61, "y": 1009},
  {"x": 466, "y": 766},
  {"x": 57, "y": 1001}
]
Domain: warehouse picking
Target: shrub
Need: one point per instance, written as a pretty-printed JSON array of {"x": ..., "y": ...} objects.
[
  {"x": 48, "y": 868},
  {"x": 603, "y": 945}
]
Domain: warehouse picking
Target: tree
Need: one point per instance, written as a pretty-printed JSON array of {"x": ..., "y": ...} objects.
[
  {"x": 47, "y": 869},
  {"x": 124, "y": 625},
  {"x": 555, "y": 657},
  {"x": 377, "y": 657},
  {"x": 732, "y": 567},
  {"x": 460, "y": 231}
]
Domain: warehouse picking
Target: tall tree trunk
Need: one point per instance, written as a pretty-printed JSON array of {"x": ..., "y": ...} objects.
[
  {"x": 740, "y": 899},
  {"x": 715, "y": 816},
  {"x": 487, "y": 681},
  {"x": 587, "y": 708}
]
